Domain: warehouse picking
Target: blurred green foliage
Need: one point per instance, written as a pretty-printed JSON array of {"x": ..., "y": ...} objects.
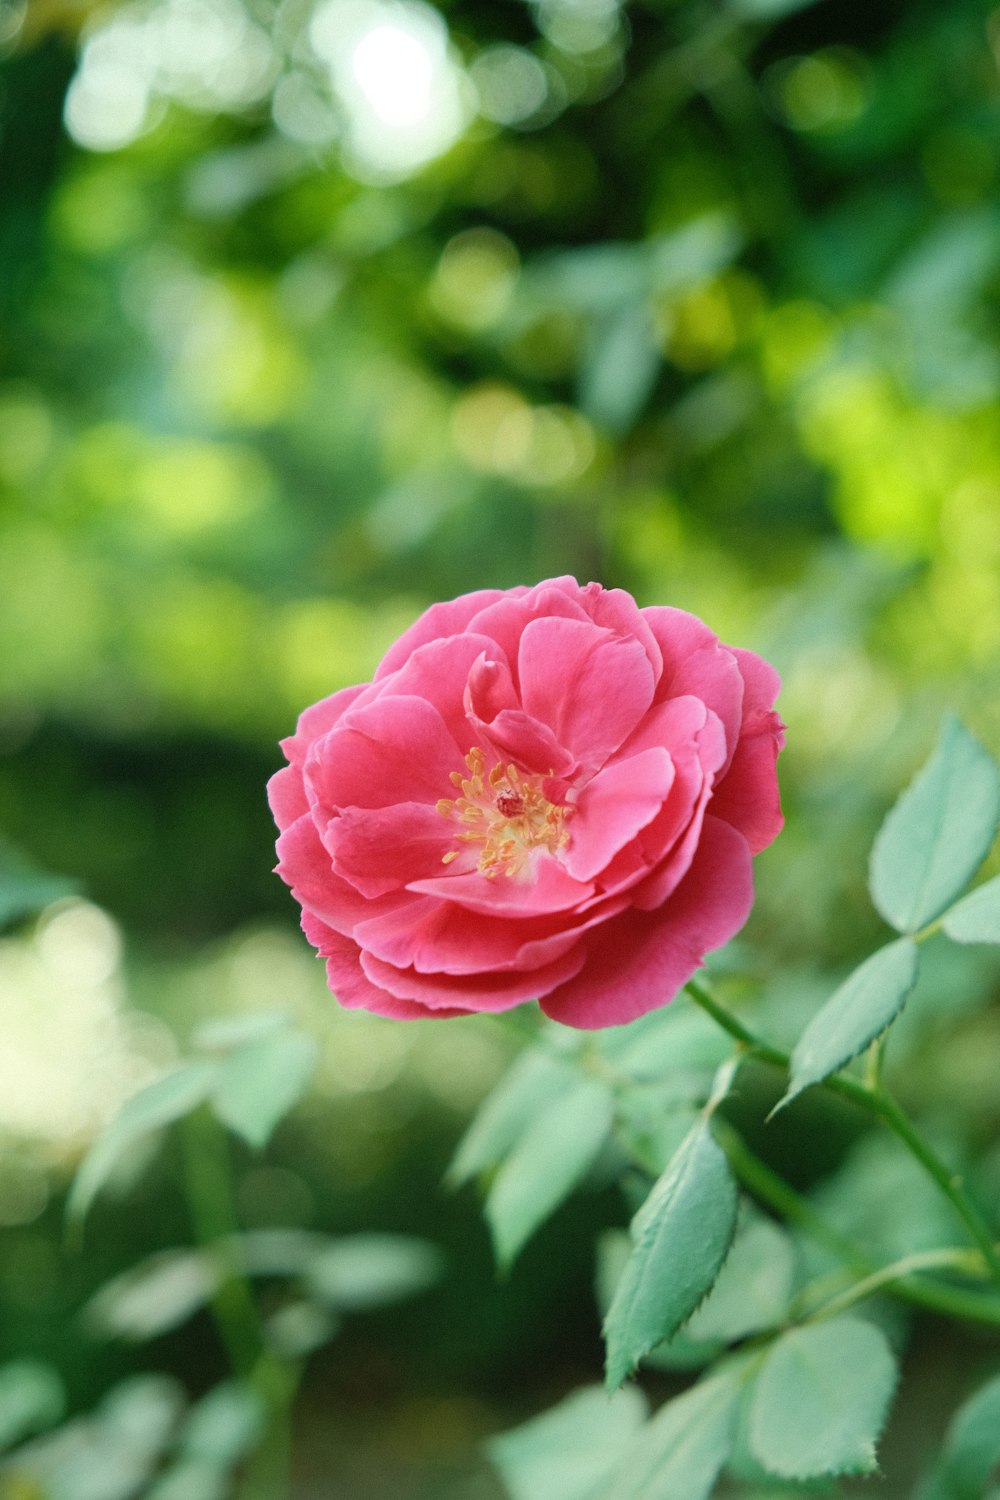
[{"x": 303, "y": 330}]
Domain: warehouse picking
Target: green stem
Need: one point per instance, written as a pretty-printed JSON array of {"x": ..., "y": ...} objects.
[
  {"x": 877, "y": 1103},
  {"x": 773, "y": 1190},
  {"x": 961, "y": 1302},
  {"x": 208, "y": 1183},
  {"x": 267, "y": 1474},
  {"x": 900, "y": 1278}
]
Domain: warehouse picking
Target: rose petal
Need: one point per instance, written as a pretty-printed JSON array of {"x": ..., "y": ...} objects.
[
  {"x": 482, "y": 992},
  {"x": 639, "y": 960},
  {"x": 451, "y": 617},
  {"x": 350, "y": 983},
  {"x": 382, "y": 849},
  {"x": 614, "y": 806},
  {"x": 590, "y": 686},
  {"x": 545, "y": 886},
  {"x": 286, "y": 796},
  {"x": 305, "y": 865},
  {"x": 393, "y": 750},
  {"x": 506, "y": 620},
  {"x": 437, "y": 937},
  {"x": 318, "y": 720}
]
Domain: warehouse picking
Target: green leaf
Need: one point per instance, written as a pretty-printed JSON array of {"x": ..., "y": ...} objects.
[
  {"x": 681, "y": 1236},
  {"x": 858, "y": 1012},
  {"x": 223, "y": 1426},
  {"x": 371, "y": 1270},
  {"x": 190, "y": 1480},
  {"x": 31, "y": 1398},
  {"x": 971, "y": 1449},
  {"x": 157, "y": 1105},
  {"x": 25, "y": 888},
  {"x": 821, "y": 1400},
  {"x": 160, "y": 1293},
  {"x": 976, "y": 918},
  {"x": 753, "y": 1289},
  {"x": 939, "y": 832},
  {"x": 620, "y": 368},
  {"x": 260, "y": 1083},
  {"x": 526, "y": 1088},
  {"x": 568, "y": 1453},
  {"x": 548, "y": 1161},
  {"x": 681, "y": 1451}
]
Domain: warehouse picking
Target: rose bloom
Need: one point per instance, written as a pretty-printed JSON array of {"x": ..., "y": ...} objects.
[{"x": 545, "y": 793}]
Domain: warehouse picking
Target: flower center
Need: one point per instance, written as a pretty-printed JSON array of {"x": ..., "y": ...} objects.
[{"x": 505, "y": 814}]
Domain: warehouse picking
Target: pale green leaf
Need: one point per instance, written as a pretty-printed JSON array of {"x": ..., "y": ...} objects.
[
  {"x": 549, "y": 1159},
  {"x": 568, "y": 1453},
  {"x": 525, "y": 1089},
  {"x": 682, "y": 1449},
  {"x": 31, "y": 1398},
  {"x": 190, "y": 1480},
  {"x": 160, "y": 1293},
  {"x": 858, "y": 1012},
  {"x": 971, "y": 1451},
  {"x": 939, "y": 832},
  {"x": 371, "y": 1270},
  {"x": 753, "y": 1289},
  {"x": 976, "y": 918},
  {"x": 157, "y": 1105},
  {"x": 620, "y": 368},
  {"x": 681, "y": 1236},
  {"x": 821, "y": 1400},
  {"x": 223, "y": 1426},
  {"x": 261, "y": 1082}
]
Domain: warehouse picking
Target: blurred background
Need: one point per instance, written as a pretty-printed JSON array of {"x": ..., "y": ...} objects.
[{"x": 314, "y": 311}]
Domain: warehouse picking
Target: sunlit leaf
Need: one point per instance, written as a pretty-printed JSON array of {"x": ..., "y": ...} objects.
[
  {"x": 976, "y": 918},
  {"x": 372, "y": 1270},
  {"x": 549, "y": 1159},
  {"x": 681, "y": 1236},
  {"x": 158, "y": 1105},
  {"x": 821, "y": 1399},
  {"x": 262, "y": 1081},
  {"x": 568, "y": 1453},
  {"x": 158, "y": 1294},
  {"x": 939, "y": 832},
  {"x": 858, "y": 1012}
]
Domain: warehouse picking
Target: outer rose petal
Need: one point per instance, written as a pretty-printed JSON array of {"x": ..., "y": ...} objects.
[
  {"x": 317, "y": 721},
  {"x": 449, "y": 618},
  {"x": 748, "y": 796},
  {"x": 485, "y": 992},
  {"x": 639, "y": 960},
  {"x": 286, "y": 796},
  {"x": 351, "y": 985}
]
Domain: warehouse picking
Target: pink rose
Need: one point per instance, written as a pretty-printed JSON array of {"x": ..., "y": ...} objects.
[{"x": 545, "y": 793}]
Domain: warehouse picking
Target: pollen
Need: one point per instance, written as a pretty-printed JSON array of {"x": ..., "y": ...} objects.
[{"x": 504, "y": 815}]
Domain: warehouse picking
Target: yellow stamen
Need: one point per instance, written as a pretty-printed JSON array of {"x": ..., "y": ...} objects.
[{"x": 505, "y": 813}]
